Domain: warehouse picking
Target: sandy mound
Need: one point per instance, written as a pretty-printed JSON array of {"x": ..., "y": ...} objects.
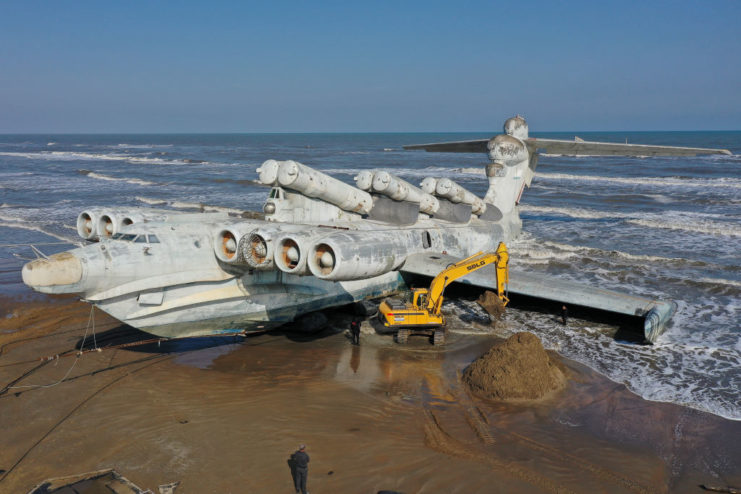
[
  {"x": 515, "y": 369},
  {"x": 490, "y": 302}
]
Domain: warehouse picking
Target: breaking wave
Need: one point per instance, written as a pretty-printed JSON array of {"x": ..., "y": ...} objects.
[
  {"x": 188, "y": 205},
  {"x": 724, "y": 182},
  {"x": 11, "y": 222},
  {"x": 100, "y": 176},
  {"x": 708, "y": 227},
  {"x": 686, "y": 221},
  {"x": 75, "y": 156}
]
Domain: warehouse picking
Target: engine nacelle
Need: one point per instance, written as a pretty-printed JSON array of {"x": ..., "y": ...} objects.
[
  {"x": 291, "y": 251},
  {"x": 87, "y": 223},
  {"x": 358, "y": 255},
  {"x": 257, "y": 248},
  {"x": 227, "y": 243}
]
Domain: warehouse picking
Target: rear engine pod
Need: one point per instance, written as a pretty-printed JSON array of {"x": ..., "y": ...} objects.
[
  {"x": 86, "y": 224},
  {"x": 358, "y": 255},
  {"x": 226, "y": 245},
  {"x": 290, "y": 253},
  {"x": 256, "y": 248}
]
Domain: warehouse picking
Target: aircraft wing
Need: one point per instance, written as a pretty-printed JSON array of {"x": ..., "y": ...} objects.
[
  {"x": 577, "y": 147},
  {"x": 654, "y": 313}
]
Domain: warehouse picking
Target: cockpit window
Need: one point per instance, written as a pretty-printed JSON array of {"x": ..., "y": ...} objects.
[
  {"x": 128, "y": 237},
  {"x": 153, "y": 239},
  {"x": 117, "y": 236},
  {"x": 141, "y": 239},
  {"x": 276, "y": 193}
]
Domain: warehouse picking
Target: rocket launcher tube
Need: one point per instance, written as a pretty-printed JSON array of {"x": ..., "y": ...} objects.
[
  {"x": 364, "y": 179},
  {"x": 400, "y": 190},
  {"x": 455, "y": 193},
  {"x": 428, "y": 185},
  {"x": 268, "y": 172},
  {"x": 312, "y": 183}
]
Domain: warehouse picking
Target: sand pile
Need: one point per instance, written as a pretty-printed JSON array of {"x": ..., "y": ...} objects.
[
  {"x": 518, "y": 368},
  {"x": 490, "y": 302}
]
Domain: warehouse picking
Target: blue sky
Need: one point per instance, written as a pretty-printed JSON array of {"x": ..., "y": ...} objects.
[{"x": 239, "y": 66}]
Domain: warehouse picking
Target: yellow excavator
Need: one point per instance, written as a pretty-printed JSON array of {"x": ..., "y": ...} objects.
[{"x": 423, "y": 315}]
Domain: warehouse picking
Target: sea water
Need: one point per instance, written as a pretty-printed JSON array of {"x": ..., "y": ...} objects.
[{"x": 666, "y": 228}]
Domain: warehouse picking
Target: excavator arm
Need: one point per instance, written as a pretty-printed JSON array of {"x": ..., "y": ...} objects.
[{"x": 459, "y": 269}]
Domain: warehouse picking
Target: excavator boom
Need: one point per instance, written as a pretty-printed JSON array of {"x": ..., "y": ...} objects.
[{"x": 464, "y": 267}]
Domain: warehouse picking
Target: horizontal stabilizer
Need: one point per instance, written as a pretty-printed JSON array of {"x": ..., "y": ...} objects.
[
  {"x": 655, "y": 313},
  {"x": 477, "y": 146},
  {"x": 577, "y": 147}
]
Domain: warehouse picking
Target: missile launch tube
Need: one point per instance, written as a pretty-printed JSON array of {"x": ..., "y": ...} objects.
[
  {"x": 429, "y": 185},
  {"x": 268, "y": 172},
  {"x": 455, "y": 193},
  {"x": 364, "y": 179},
  {"x": 401, "y": 190},
  {"x": 313, "y": 183}
]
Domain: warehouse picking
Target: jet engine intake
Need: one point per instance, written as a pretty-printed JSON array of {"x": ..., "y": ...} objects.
[
  {"x": 256, "y": 248},
  {"x": 226, "y": 246},
  {"x": 87, "y": 223},
  {"x": 290, "y": 253}
]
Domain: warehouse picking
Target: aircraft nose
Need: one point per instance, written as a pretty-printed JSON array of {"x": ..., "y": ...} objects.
[{"x": 59, "y": 269}]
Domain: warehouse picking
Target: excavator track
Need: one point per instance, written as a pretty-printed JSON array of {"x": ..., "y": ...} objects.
[
  {"x": 402, "y": 336},
  {"x": 438, "y": 338}
]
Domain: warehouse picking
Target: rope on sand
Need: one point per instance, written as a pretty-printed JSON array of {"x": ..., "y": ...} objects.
[{"x": 90, "y": 323}]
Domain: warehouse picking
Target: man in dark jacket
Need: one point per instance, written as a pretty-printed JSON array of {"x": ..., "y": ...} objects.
[
  {"x": 355, "y": 331},
  {"x": 301, "y": 465},
  {"x": 564, "y": 314}
]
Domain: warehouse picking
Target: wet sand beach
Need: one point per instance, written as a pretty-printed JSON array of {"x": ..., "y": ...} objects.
[{"x": 224, "y": 414}]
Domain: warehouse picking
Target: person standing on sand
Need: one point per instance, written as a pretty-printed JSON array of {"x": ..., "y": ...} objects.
[
  {"x": 355, "y": 332},
  {"x": 301, "y": 464},
  {"x": 564, "y": 314}
]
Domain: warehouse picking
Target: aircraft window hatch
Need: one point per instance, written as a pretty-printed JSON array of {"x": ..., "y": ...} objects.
[
  {"x": 426, "y": 240},
  {"x": 153, "y": 239}
]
